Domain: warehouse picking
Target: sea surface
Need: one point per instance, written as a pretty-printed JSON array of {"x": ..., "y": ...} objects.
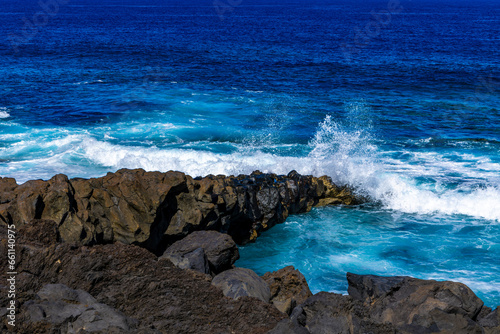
[{"x": 400, "y": 100}]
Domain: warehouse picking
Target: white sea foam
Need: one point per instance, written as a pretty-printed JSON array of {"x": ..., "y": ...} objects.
[
  {"x": 4, "y": 113},
  {"x": 347, "y": 154}
]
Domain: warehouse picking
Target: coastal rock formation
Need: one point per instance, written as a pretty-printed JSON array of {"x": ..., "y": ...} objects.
[
  {"x": 219, "y": 250},
  {"x": 242, "y": 282},
  {"x": 153, "y": 209},
  {"x": 289, "y": 288},
  {"x": 393, "y": 305},
  {"x": 159, "y": 296}
]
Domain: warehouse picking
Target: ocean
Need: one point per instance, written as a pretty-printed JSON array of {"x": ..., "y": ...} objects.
[{"x": 399, "y": 99}]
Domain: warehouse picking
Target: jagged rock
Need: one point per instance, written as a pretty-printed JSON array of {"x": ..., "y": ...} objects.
[
  {"x": 220, "y": 249},
  {"x": 392, "y": 305},
  {"x": 129, "y": 279},
  {"x": 330, "y": 313},
  {"x": 289, "y": 288},
  {"x": 418, "y": 305},
  {"x": 491, "y": 322},
  {"x": 242, "y": 282},
  {"x": 154, "y": 209},
  {"x": 75, "y": 311}
]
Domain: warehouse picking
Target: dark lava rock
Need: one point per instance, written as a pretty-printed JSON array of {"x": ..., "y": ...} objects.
[
  {"x": 241, "y": 282},
  {"x": 393, "y": 305},
  {"x": 153, "y": 209},
  {"x": 195, "y": 260},
  {"x": 491, "y": 322},
  {"x": 417, "y": 305},
  {"x": 74, "y": 311},
  {"x": 289, "y": 288},
  {"x": 331, "y": 313},
  {"x": 161, "y": 297},
  {"x": 220, "y": 249}
]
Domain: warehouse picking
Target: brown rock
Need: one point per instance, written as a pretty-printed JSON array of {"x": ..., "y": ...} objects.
[
  {"x": 288, "y": 288},
  {"x": 130, "y": 280},
  {"x": 153, "y": 209}
]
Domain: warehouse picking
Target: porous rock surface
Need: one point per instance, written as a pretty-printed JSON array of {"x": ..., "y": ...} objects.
[
  {"x": 159, "y": 297},
  {"x": 289, "y": 288},
  {"x": 219, "y": 250},
  {"x": 399, "y": 304},
  {"x": 153, "y": 209},
  {"x": 242, "y": 282},
  {"x": 75, "y": 311}
]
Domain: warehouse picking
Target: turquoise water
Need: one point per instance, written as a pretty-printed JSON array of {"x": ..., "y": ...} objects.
[
  {"x": 410, "y": 117},
  {"x": 328, "y": 242}
]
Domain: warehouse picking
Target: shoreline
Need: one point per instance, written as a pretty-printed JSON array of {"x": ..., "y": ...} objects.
[{"x": 163, "y": 212}]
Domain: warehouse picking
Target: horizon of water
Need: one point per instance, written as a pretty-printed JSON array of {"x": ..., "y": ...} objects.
[{"x": 410, "y": 118}]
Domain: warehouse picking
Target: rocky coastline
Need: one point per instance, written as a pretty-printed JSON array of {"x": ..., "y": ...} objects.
[{"x": 150, "y": 252}]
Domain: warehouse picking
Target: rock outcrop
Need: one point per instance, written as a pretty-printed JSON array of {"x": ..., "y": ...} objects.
[
  {"x": 153, "y": 209},
  {"x": 242, "y": 282},
  {"x": 218, "y": 250},
  {"x": 160, "y": 297},
  {"x": 289, "y": 288},
  {"x": 393, "y": 305}
]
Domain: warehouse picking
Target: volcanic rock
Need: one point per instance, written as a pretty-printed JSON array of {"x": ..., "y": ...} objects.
[
  {"x": 129, "y": 279},
  {"x": 392, "y": 305},
  {"x": 75, "y": 311},
  {"x": 417, "y": 305},
  {"x": 220, "y": 249},
  {"x": 153, "y": 209},
  {"x": 241, "y": 282},
  {"x": 288, "y": 288}
]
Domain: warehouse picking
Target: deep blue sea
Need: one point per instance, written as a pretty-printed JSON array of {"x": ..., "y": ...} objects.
[{"x": 398, "y": 99}]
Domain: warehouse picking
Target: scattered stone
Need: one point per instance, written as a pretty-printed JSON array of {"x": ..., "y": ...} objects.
[
  {"x": 289, "y": 288},
  {"x": 242, "y": 282},
  {"x": 220, "y": 249}
]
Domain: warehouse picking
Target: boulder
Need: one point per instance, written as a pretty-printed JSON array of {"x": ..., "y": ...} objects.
[
  {"x": 288, "y": 287},
  {"x": 241, "y": 282},
  {"x": 195, "y": 260},
  {"x": 392, "y": 305},
  {"x": 417, "y": 305},
  {"x": 76, "y": 310},
  {"x": 220, "y": 250}
]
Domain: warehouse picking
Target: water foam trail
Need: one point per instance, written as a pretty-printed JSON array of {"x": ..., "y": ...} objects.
[
  {"x": 351, "y": 157},
  {"x": 346, "y": 153}
]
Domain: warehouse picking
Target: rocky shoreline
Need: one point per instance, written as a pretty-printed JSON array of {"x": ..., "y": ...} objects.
[{"x": 150, "y": 252}]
